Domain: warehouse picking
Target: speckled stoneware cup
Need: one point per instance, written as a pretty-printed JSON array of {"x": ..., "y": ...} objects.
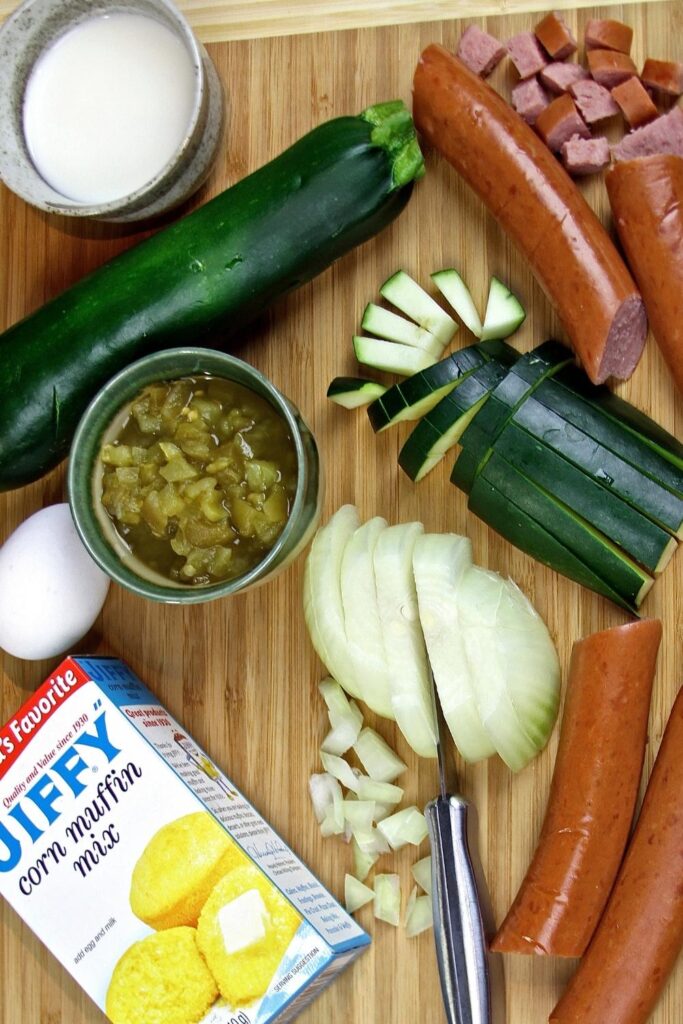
[
  {"x": 33, "y": 27},
  {"x": 102, "y": 420}
]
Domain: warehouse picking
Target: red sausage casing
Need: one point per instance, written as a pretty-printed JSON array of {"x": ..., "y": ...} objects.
[
  {"x": 539, "y": 206},
  {"x": 593, "y": 794},
  {"x": 646, "y": 196},
  {"x": 640, "y": 935}
]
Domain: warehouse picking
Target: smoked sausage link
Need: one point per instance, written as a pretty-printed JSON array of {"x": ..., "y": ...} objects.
[
  {"x": 593, "y": 794},
  {"x": 539, "y": 206},
  {"x": 646, "y": 196},
  {"x": 640, "y": 936}
]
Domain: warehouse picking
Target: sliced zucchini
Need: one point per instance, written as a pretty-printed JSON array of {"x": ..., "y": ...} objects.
[
  {"x": 443, "y": 426},
  {"x": 354, "y": 392},
  {"x": 390, "y": 327},
  {"x": 411, "y": 689},
  {"x": 626, "y": 415},
  {"x": 610, "y": 471},
  {"x": 504, "y": 312},
  {"x": 455, "y": 291},
  {"x": 524, "y": 377},
  {"x": 412, "y": 398},
  {"x": 391, "y": 357},
  {"x": 439, "y": 563},
  {"x": 520, "y": 529},
  {"x": 595, "y": 419},
  {"x": 404, "y": 293},
  {"x": 638, "y": 536},
  {"x": 595, "y": 561}
]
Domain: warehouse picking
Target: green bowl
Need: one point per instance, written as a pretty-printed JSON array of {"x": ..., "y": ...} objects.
[{"x": 103, "y": 416}]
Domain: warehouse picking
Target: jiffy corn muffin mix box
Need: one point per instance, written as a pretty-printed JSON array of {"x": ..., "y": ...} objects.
[{"x": 146, "y": 872}]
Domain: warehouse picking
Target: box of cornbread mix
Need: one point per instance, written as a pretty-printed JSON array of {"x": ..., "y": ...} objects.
[{"x": 146, "y": 872}]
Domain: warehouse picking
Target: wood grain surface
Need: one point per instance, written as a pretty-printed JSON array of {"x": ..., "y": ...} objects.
[
  {"x": 222, "y": 20},
  {"x": 241, "y": 674}
]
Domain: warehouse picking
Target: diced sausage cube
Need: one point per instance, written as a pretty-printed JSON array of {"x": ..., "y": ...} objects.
[
  {"x": 558, "y": 76},
  {"x": 610, "y": 68},
  {"x": 635, "y": 102},
  {"x": 608, "y": 35},
  {"x": 480, "y": 51},
  {"x": 554, "y": 35},
  {"x": 663, "y": 135},
  {"x": 585, "y": 156},
  {"x": 526, "y": 54},
  {"x": 664, "y": 75},
  {"x": 559, "y": 121},
  {"x": 595, "y": 103},
  {"x": 529, "y": 98}
]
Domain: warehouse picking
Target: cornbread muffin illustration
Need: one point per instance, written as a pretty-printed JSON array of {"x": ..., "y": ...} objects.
[
  {"x": 178, "y": 869},
  {"x": 244, "y": 931},
  {"x": 162, "y": 979}
]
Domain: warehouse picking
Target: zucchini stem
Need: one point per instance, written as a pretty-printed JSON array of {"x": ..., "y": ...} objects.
[{"x": 394, "y": 131}]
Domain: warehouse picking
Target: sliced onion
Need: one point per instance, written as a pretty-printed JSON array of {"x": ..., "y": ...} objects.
[
  {"x": 388, "y": 899},
  {"x": 362, "y": 862},
  {"x": 384, "y": 792},
  {"x": 340, "y": 769},
  {"x": 377, "y": 757},
  {"x": 323, "y": 789},
  {"x": 422, "y": 873},
  {"x": 419, "y": 917},
  {"x": 406, "y": 826},
  {"x": 341, "y": 737},
  {"x": 356, "y": 894}
]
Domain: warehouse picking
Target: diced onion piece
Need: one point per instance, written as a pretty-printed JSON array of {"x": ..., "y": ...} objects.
[
  {"x": 339, "y": 707},
  {"x": 362, "y": 862},
  {"x": 383, "y": 811},
  {"x": 411, "y": 688},
  {"x": 419, "y": 918},
  {"x": 340, "y": 769},
  {"x": 439, "y": 563},
  {"x": 384, "y": 792},
  {"x": 361, "y": 617},
  {"x": 406, "y": 826},
  {"x": 360, "y": 815},
  {"x": 341, "y": 737},
  {"x": 356, "y": 894},
  {"x": 422, "y": 873},
  {"x": 323, "y": 789},
  {"x": 330, "y": 826},
  {"x": 377, "y": 757},
  {"x": 388, "y": 899},
  {"x": 323, "y": 609},
  {"x": 372, "y": 842},
  {"x": 410, "y": 904}
]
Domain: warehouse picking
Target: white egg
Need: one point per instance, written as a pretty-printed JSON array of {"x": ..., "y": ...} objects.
[{"x": 51, "y": 591}]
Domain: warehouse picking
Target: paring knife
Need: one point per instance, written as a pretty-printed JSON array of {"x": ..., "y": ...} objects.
[{"x": 461, "y": 947}]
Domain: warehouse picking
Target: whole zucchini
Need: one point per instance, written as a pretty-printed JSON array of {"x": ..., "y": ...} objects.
[{"x": 202, "y": 278}]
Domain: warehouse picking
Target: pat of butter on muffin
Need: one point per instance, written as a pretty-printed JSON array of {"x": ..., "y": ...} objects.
[{"x": 243, "y": 921}]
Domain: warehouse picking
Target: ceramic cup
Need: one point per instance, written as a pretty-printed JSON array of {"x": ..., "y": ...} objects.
[
  {"x": 24, "y": 37},
  {"x": 102, "y": 419}
]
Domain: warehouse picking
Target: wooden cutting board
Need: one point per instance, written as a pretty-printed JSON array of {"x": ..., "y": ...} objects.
[{"x": 241, "y": 674}]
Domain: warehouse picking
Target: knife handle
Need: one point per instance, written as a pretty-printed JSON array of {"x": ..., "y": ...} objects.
[{"x": 461, "y": 947}]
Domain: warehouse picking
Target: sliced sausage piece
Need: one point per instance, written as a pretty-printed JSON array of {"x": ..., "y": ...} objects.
[
  {"x": 608, "y": 35},
  {"x": 585, "y": 156},
  {"x": 540, "y": 207},
  {"x": 480, "y": 51},
  {"x": 640, "y": 936},
  {"x": 663, "y": 75},
  {"x": 664, "y": 135},
  {"x": 646, "y": 197},
  {"x": 554, "y": 35},
  {"x": 634, "y": 102},
  {"x": 595, "y": 103},
  {"x": 526, "y": 54},
  {"x": 592, "y": 796},
  {"x": 559, "y": 122},
  {"x": 558, "y": 77},
  {"x": 529, "y": 99},
  {"x": 610, "y": 68}
]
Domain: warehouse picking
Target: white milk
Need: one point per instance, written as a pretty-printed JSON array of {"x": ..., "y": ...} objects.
[{"x": 107, "y": 106}]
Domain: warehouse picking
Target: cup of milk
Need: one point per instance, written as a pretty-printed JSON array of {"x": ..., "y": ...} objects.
[{"x": 109, "y": 109}]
